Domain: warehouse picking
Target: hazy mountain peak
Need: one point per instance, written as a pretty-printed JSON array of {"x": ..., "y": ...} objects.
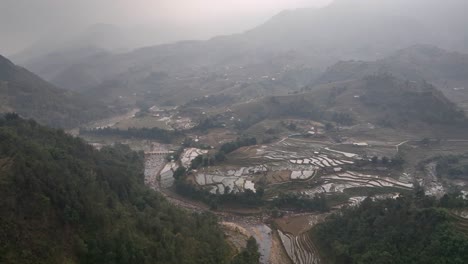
[{"x": 6, "y": 68}]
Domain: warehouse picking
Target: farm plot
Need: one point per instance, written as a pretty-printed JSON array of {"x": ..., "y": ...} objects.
[
  {"x": 300, "y": 248},
  {"x": 190, "y": 154},
  {"x": 167, "y": 174},
  {"x": 219, "y": 182},
  {"x": 294, "y": 159},
  {"x": 339, "y": 182},
  {"x": 143, "y": 122}
]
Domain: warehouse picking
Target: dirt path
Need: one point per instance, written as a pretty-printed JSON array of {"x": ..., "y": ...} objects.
[{"x": 278, "y": 254}]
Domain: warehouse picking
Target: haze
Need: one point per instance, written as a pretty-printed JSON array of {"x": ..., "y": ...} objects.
[{"x": 157, "y": 20}]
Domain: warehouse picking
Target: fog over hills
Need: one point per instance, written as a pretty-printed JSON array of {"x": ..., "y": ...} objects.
[
  {"x": 303, "y": 40},
  {"x": 446, "y": 70},
  {"x": 233, "y": 132},
  {"x": 25, "y": 93}
]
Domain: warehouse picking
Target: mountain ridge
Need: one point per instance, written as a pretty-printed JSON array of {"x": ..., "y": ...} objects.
[{"x": 27, "y": 94}]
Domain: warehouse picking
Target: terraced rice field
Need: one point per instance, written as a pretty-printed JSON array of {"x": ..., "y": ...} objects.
[
  {"x": 236, "y": 180},
  {"x": 218, "y": 184},
  {"x": 300, "y": 248},
  {"x": 189, "y": 155},
  {"x": 339, "y": 182},
  {"x": 167, "y": 175}
]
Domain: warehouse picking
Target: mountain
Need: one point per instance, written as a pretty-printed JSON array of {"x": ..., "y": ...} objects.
[
  {"x": 61, "y": 201},
  {"x": 419, "y": 62},
  {"x": 25, "y": 93},
  {"x": 380, "y": 99},
  {"x": 283, "y": 48},
  {"x": 446, "y": 70},
  {"x": 60, "y": 64}
]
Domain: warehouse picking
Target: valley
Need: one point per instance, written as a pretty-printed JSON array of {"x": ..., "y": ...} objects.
[
  {"x": 272, "y": 189},
  {"x": 324, "y": 135}
]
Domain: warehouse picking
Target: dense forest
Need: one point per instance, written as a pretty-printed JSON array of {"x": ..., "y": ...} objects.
[
  {"x": 401, "y": 102},
  {"x": 452, "y": 166},
  {"x": 415, "y": 229},
  {"x": 61, "y": 201}
]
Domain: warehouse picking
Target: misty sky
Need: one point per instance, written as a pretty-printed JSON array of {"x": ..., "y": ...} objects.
[{"x": 23, "y": 22}]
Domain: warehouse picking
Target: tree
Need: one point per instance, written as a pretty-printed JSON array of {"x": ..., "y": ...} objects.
[
  {"x": 385, "y": 160},
  {"x": 179, "y": 172}
]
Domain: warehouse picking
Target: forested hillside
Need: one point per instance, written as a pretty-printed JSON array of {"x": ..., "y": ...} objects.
[
  {"x": 406, "y": 230},
  {"x": 25, "y": 93},
  {"x": 61, "y": 201},
  {"x": 380, "y": 99}
]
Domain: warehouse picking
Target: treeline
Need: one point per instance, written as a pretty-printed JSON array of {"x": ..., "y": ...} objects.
[
  {"x": 249, "y": 255},
  {"x": 61, "y": 201},
  {"x": 414, "y": 229},
  {"x": 229, "y": 147},
  {"x": 397, "y": 162},
  {"x": 292, "y": 201},
  {"x": 452, "y": 166},
  {"x": 165, "y": 136}
]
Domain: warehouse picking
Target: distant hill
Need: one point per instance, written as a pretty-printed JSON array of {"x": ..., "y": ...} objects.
[
  {"x": 419, "y": 62},
  {"x": 60, "y": 65},
  {"x": 61, "y": 201},
  {"x": 25, "y": 93},
  {"x": 380, "y": 99},
  {"x": 448, "y": 71},
  {"x": 280, "y": 51}
]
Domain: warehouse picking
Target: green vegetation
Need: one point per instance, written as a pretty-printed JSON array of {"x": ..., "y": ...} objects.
[
  {"x": 406, "y": 230},
  {"x": 288, "y": 201},
  {"x": 452, "y": 166},
  {"x": 247, "y": 198},
  {"x": 249, "y": 255},
  {"x": 61, "y": 201},
  {"x": 229, "y": 147},
  {"x": 402, "y": 102}
]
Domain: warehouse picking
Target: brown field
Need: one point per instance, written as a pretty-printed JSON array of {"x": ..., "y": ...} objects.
[
  {"x": 216, "y": 137},
  {"x": 298, "y": 224},
  {"x": 278, "y": 254},
  {"x": 143, "y": 122}
]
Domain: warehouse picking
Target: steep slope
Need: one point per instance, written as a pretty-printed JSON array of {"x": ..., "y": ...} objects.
[
  {"x": 23, "y": 92},
  {"x": 61, "y": 201}
]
